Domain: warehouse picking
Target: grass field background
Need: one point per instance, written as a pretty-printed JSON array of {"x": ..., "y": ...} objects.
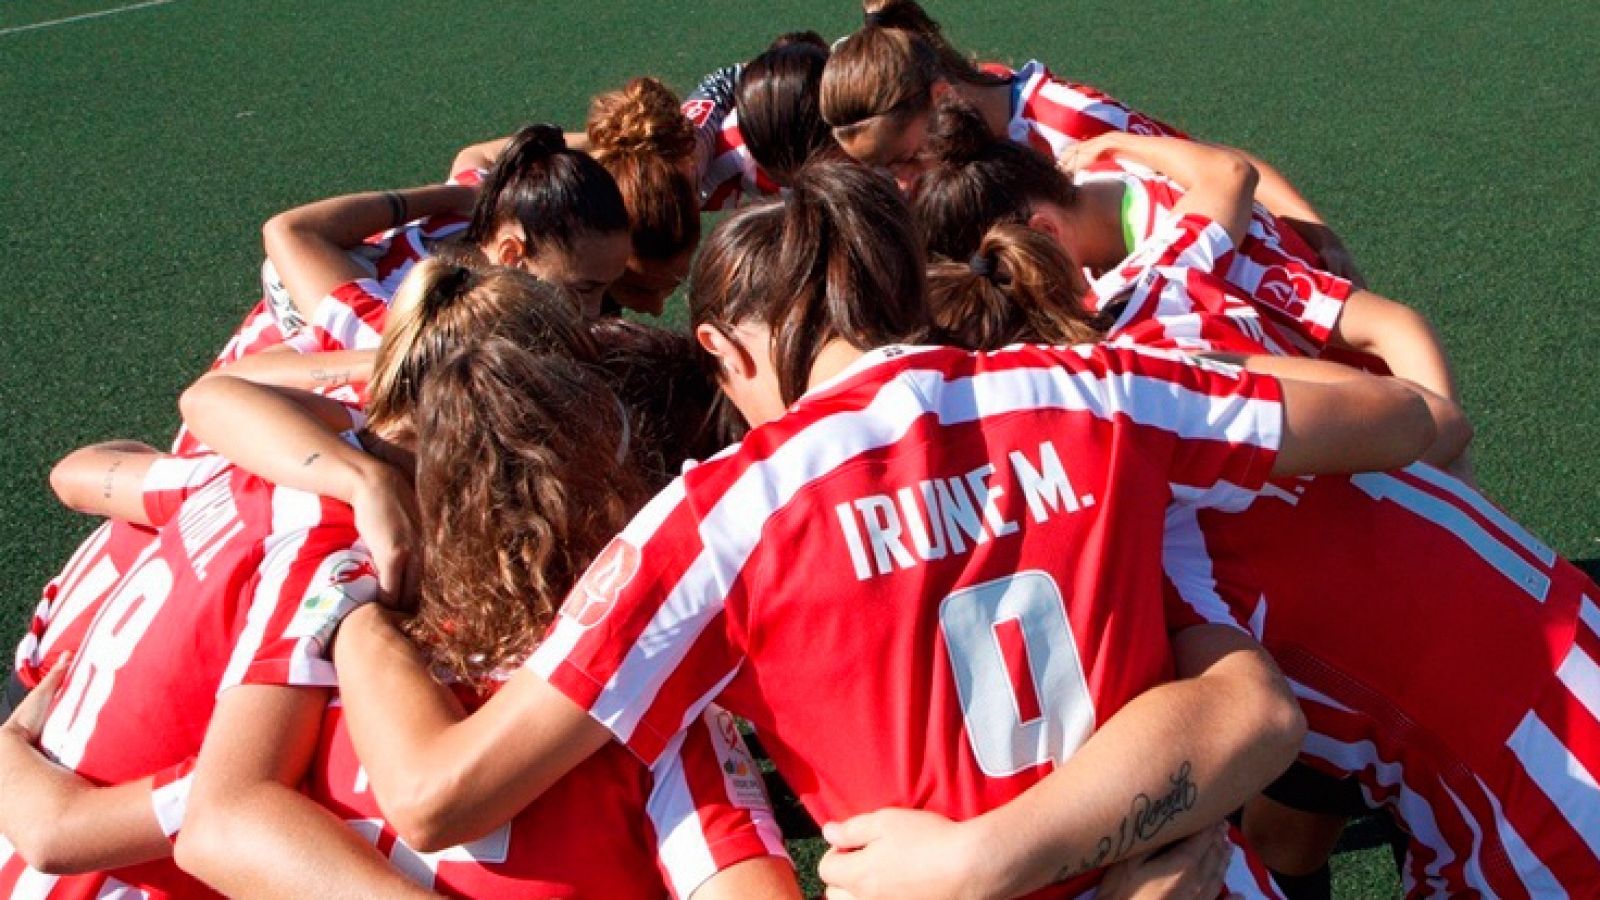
[{"x": 1453, "y": 145}]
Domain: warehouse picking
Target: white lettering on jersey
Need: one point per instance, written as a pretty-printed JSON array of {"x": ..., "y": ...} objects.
[
  {"x": 207, "y": 522},
  {"x": 955, "y": 513}
]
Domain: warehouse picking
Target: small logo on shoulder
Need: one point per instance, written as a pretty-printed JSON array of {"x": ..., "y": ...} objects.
[
  {"x": 611, "y": 571},
  {"x": 698, "y": 111}
]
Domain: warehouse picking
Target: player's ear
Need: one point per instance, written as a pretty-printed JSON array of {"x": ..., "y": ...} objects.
[
  {"x": 1045, "y": 225},
  {"x": 735, "y": 360},
  {"x": 509, "y": 245}
]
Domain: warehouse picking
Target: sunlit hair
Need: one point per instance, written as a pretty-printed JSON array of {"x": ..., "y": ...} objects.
[
  {"x": 836, "y": 259},
  {"x": 555, "y": 193},
  {"x": 777, "y": 104},
  {"x": 1017, "y": 287},
  {"x": 977, "y": 180},
  {"x": 523, "y": 475},
  {"x": 639, "y": 135},
  {"x": 446, "y": 302},
  {"x": 889, "y": 66}
]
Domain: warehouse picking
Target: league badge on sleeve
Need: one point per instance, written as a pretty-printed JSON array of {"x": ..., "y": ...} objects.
[
  {"x": 594, "y": 596},
  {"x": 746, "y": 789},
  {"x": 344, "y": 581}
]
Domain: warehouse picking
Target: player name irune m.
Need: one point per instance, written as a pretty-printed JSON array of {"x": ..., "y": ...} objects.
[{"x": 951, "y": 515}]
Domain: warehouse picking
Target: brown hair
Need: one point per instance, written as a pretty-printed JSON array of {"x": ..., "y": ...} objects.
[
  {"x": 555, "y": 193},
  {"x": 670, "y": 399},
  {"x": 442, "y": 305},
  {"x": 836, "y": 259},
  {"x": 777, "y": 104},
  {"x": 1017, "y": 287},
  {"x": 978, "y": 181},
  {"x": 640, "y": 136},
  {"x": 522, "y": 478},
  {"x": 890, "y": 65}
]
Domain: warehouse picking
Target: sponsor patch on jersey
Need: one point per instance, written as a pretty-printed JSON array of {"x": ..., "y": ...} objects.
[
  {"x": 350, "y": 580},
  {"x": 597, "y": 593},
  {"x": 739, "y": 772},
  {"x": 698, "y": 111}
]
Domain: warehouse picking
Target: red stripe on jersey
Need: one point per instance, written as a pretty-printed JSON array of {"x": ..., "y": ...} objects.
[{"x": 1014, "y": 650}]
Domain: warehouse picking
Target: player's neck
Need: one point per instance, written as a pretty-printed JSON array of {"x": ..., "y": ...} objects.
[{"x": 834, "y": 357}]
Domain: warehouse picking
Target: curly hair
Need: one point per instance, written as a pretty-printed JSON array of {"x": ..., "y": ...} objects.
[{"x": 639, "y": 135}]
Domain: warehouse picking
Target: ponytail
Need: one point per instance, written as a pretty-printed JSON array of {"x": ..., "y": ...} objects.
[
  {"x": 445, "y": 303},
  {"x": 1017, "y": 287},
  {"x": 640, "y": 136},
  {"x": 555, "y": 193},
  {"x": 890, "y": 65},
  {"x": 837, "y": 259},
  {"x": 977, "y": 181}
]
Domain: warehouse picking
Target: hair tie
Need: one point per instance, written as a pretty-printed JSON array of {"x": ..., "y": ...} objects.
[
  {"x": 982, "y": 265},
  {"x": 876, "y": 20}
]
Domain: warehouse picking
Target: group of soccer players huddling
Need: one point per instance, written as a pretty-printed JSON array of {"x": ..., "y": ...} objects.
[{"x": 1040, "y": 486}]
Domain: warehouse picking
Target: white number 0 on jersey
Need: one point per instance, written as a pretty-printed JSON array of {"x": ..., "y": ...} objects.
[{"x": 1016, "y": 666}]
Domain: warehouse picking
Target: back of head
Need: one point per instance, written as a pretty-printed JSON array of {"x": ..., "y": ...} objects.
[
  {"x": 777, "y": 102},
  {"x": 1017, "y": 287},
  {"x": 522, "y": 478},
  {"x": 977, "y": 180},
  {"x": 890, "y": 64},
  {"x": 640, "y": 136},
  {"x": 836, "y": 259},
  {"x": 669, "y": 396},
  {"x": 554, "y": 192},
  {"x": 445, "y": 304}
]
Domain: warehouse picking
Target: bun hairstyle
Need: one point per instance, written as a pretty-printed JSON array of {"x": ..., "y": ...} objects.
[
  {"x": 837, "y": 259},
  {"x": 521, "y": 484},
  {"x": 889, "y": 66},
  {"x": 1017, "y": 287},
  {"x": 777, "y": 100},
  {"x": 670, "y": 399},
  {"x": 555, "y": 193},
  {"x": 640, "y": 136},
  {"x": 444, "y": 304},
  {"x": 978, "y": 181}
]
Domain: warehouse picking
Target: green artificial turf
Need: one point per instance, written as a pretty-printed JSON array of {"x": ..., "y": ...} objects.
[{"x": 1451, "y": 144}]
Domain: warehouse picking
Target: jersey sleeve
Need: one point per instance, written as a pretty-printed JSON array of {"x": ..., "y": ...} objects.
[
  {"x": 469, "y": 177},
  {"x": 708, "y": 805},
  {"x": 1190, "y": 591},
  {"x": 707, "y": 106},
  {"x": 1216, "y": 428},
  {"x": 351, "y": 317},
  {"x": 642, "y": 643},
  {"x": 309, "y": 578},
  {"x": 172, "y": 479},
  {"x": 169, "y": 796},
  {"x": 1192, "y": 242},
  {"x": 1054, "y": 114}
]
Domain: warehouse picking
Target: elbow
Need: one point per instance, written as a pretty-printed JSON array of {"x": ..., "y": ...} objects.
[
  {"x": 68, "y": 484},
  {"x": 1283, "y": 729},
  {"x": 420, "y": 814},
  {"x": 1453, "y": 432},
  {"x": 51, "y": 855},
  {"x": 203, "y": 845},
  {"x": 1420, "y": 432},
  {"x": 1236, "y": 167}
]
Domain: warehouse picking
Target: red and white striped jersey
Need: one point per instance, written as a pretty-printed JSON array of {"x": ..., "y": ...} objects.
[
  {"x": 234, "y": 590},
  {"x": 979, "y": 535},
  {"x": 609, "y": 828},
  {"x": 1300, "y": 303},
  {"x": 72, "y": 598},
  {"x": 1441, "y": 653},
  {"x": 731, "y": 175},
  {"x": 1051, "y": 115}
]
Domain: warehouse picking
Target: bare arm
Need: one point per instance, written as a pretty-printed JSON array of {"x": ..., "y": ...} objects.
[
  {"x": 482, "y": 155},
  {"x": 1219, "y": 183},
  {"x": 288, "y": 437},
  {"x": 301, "y": 371},
  {"x": 1286, "y": 202},
  {"x": 1172, "y": 762},
  {"x": 309, "y": 245},
  {"x": 762, "y": 878},
  {"x": 248, "y": 832},
  {"x": 442, "y": 777},
  {"x": 1399, "y": 335},
  {"x": 105, "y": 480},
  {"x": 60, "y": 823}
]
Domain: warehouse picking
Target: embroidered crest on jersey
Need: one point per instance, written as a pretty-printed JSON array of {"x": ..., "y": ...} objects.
[
  {"x": 739, "y": 771},
  {"x": 597, "y": 593}
]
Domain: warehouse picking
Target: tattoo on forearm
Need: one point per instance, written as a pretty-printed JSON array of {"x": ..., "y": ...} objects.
[
  {"x": 1146, "y": 818},
  {"x": 111, "y": 477},
  {"x": 330, "y": 378},
  {"x": 311, "y": 459}
]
